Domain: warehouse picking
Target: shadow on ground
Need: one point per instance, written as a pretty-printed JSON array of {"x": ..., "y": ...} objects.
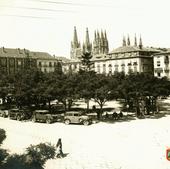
[{"x": 126, "y": 118}]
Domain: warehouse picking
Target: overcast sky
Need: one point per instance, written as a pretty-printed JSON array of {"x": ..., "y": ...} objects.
[{"x": 47, "y": 25}]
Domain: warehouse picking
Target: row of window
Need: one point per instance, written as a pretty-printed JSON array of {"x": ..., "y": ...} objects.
[
  {"x": 166, "y": 60},
  {"x": 16, "y": 62},
  {"x": 116, "y": 69},
  {"x": 11, "y": 61},
  {"x": 50, "y": 64}
]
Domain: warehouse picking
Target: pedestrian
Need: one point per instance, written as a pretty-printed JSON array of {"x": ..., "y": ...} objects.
[
  {"x": 120, "y": 115},
  {"x": 114, "y": 115},
  {"x": 59, "y": 148}
]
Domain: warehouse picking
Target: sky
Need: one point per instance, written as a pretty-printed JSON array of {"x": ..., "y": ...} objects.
[{"x": 48, "y": 25}]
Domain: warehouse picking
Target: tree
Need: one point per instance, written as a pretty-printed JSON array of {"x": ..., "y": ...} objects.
[
  {"x": 137, "y": 87},
  {"x": 2, "y": 136},
  {"x": 3, "y": 153},
  {"x": 101, "y": 91},
  {"x": 86, "y": 60},
  {"x": 28, "y": 87},
  {"x": 86, "y": 85},
  {"x": 34, "y": 157}
]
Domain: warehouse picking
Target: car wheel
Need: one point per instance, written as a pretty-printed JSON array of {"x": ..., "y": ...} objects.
[
  {"x": 18, "y": 118},
  {"x": 86, "y": 122},
  {"x": 67, "y": 121},
  {"x": 48, "y": 121},
  {"x": 34, "y": 119},
  {"x": 80, "y": 120}
]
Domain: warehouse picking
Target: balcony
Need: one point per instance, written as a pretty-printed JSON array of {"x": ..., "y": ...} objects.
[
  {"x": 158, "y": 70},
  {"x": 166, "y": 70}
]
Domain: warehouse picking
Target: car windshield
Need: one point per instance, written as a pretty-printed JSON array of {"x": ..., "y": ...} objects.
[{"x": 74, "y": 114}]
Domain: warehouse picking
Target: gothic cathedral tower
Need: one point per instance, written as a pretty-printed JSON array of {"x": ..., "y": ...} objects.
[
  {"x": 100, "y": 43},
  {"x": 75, "y": 52}
]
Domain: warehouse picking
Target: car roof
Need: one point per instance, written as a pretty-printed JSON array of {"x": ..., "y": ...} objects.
[
  {"x": 42, "y": 111},
  {"x": 15, "y": 109},
  {"x": 73, "y": 112}
]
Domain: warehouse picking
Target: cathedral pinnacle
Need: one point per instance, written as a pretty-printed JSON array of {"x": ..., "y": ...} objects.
[
  {"x": 140, "y": 43},
  {"x": 124, "y": 41},
  {"x": 75, "y": 43},
  {"x": 128, "y": 41},
  {"x": 135, "y": 41},
  {"x": 87, "y": 37}
]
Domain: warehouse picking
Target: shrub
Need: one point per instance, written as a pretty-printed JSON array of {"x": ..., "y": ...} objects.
[
  {"x": 3, "y": 155},
  {"x": 2, "y": 135},
  {"x": 40, "y": 153}
]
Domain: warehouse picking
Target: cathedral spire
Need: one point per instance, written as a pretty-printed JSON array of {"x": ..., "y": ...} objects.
[
  {"x": 102, "y": 36},
  {"x": 128, "y": 41},
  {"x": 135, "y": 40},
  {"x": 75, "y": 39},
  {"x": 87, "y": 45},
  {"x": 95, "y": 36},
  {"x": 106, "y": 42},
  {"x": 87, "y": 37},
  {"x": 98, "y": 35},
  {"x": 140, "y": 43},
  {"x": 105, "y": 35}
]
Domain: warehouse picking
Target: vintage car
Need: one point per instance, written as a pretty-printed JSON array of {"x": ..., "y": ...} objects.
[
  {"x": 77, "y": 117},
  {"x": 16, "y": 114},
  {"x": 3, "y": 113},
  {"x": 45, "y": 116}
]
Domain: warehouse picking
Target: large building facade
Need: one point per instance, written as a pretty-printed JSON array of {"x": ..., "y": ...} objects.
[
  {"x": 129, "y": 58},
  {"x": 162, "y": 64},
  {"x": 13, "y": 60}
]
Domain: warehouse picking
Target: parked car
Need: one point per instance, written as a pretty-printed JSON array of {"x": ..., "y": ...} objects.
[
  {"x": 16, "y": 114},
  {"x": 77, "y": 117},
  {"x": 3, "y": 113},
  {"x": 45, "y": 116},
  {"x": 57, "y": 108}
]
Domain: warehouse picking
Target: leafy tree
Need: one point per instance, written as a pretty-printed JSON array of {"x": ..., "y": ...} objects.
[
  {"x": 101, "y": 91},
  {"x": 86, "y": 85},
  {"x": 38, "y": 154},
  {"x": 137, "y": 87},
  {"x": 3, "y": 153},
  {"x": 34, "y": 157},
  {"x": 2, "y": 136},
  {"x": 28, "y": 86}
]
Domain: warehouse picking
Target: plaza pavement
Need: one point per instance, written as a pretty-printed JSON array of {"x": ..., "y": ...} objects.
[
  {"x": 127, "y": 144},
  {"x": 135, "y": 144}
]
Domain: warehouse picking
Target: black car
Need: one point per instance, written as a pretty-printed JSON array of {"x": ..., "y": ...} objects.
[
  {"x": 18, "y": 114},
  {"x": 3, "y": 113},
  {"x": 45, "y": 116}
]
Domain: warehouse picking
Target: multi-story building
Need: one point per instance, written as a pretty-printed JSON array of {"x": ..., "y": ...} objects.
[
  {"x": 130, "y": 59},
  {"x": 161, "y": 63},
  {"x": 12, "y": 60}
]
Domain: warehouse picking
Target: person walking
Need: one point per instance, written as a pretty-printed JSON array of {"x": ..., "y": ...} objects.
[{"x": 59, "y": 148}]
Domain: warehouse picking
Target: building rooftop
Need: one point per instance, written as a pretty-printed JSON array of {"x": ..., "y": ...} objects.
[
  {"x": 23, "y": 53},
  {"x": 126, "y": 49}
]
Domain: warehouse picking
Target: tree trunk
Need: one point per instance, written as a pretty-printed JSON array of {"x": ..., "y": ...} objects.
[
  {"x": 64, "y": 103},
  {"x": 87, "y": 105},
  {"x": 70, "y": 102},
  {"x": 101, "y": 110},
  {"x": 49, "y": 104}
]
